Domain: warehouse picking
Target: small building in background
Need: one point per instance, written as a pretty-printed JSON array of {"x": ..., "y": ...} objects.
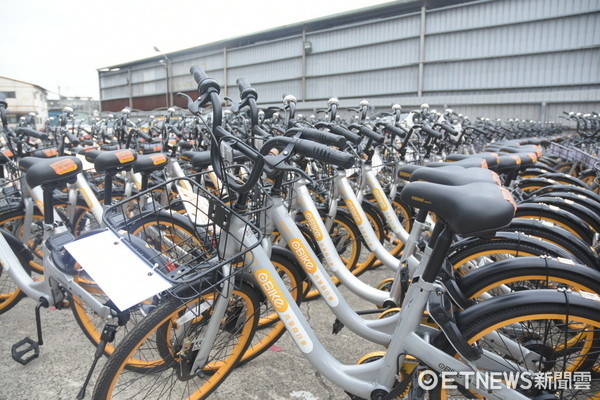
[
  {"x": 24, "y": 98},
  {"x": 83, "y": 107}
]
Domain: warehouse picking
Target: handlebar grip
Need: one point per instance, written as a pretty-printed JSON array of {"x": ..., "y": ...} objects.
[
  {"x": 371, "y": 134},
  {"x": 395, "y": 130},
  {"x": 431, "y": 132},
  {"x": 245, "y": 89},
  {"x": 31, "y": 133},
  {"x": 199, "y": 74},
  {"x": 143, "y": 135},
  {"x": 72, "y": 138},
  {"x": 323, "y": 137},
  {"x": 177, "y": 132},
  {"x": 450, "y": 129},
  {"x": 322, "y": 153},
  {"x": 349, "y": 135}
]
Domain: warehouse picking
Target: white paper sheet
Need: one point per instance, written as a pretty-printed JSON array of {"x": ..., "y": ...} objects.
[{"x": 125, "y": 278}]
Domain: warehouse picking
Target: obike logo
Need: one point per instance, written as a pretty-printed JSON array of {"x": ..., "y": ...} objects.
[
  {"x": 354, "y": 212},
  {"x": 271, "y": 290},
  {"x": 158, "y": 159},
  {"x": 303, "y": 256},
  {"x": 314, "y": 227},
  {"x": 63, "y": 166},
  {"x": 383, "y": 204},
  {"x": 125, "y": 156},
  {"x": 508, "y": 197},
  {"x": 420, "y": 199}
]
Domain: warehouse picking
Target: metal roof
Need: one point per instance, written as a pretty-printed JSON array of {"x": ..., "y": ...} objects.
[{"x": 385, "y": 10}]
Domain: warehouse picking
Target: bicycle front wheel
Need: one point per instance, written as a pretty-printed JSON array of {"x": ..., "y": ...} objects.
[
  {"x": 166, "y": 343},
  {"x": 541, "y": 333}
]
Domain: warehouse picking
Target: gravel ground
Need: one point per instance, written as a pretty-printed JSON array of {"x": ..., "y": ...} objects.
[{"x": 66, "y": 355}]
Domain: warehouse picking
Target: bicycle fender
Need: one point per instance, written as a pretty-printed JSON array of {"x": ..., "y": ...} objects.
[{"x": 17, "y": 245}]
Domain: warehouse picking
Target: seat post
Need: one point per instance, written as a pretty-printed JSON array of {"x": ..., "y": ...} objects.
[
  {"x": 48, "y": 191},
  {"x": 443, "y": 241},
  {"x": 144, "y": 181},
  {"x": 108, "y": 188}
]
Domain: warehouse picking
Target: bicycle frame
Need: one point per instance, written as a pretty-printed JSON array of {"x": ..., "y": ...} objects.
[{"x": 409, "y": 336}]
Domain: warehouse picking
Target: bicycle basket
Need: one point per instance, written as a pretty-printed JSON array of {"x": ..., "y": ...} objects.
[{"x": 182, "y": 230}]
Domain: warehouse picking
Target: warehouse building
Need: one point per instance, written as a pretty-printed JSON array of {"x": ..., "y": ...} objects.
[
  {"x": 528, "y": 59},
  {"x": 24, "y": 98}
]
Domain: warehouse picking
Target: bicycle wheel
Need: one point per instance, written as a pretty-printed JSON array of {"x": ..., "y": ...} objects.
[
  {"x": 160, "y": 232},
  {"x": 10, "y": 293},
  {"x": 527, "y": 273},
  {"x": 555, "y": 332},
  {"x": 473, "y": 253},
  {"x": 557, "y": 216},
  {"x": 270, "y": 328},
  {"x": 167, "y": 341},
  {"x": 13, "y": 222},
  {"x": 558, "y": 236}
]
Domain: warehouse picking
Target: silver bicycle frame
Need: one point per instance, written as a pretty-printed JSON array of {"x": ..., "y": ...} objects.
[{"x": 362, "y": 379}]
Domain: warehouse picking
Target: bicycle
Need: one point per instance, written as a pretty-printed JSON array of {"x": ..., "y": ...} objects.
[{"x": 379, "y": 379}]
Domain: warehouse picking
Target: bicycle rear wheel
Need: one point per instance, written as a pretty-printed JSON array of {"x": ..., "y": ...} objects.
[
  {"x": 555, "y": 332},
  {"x": 167, "y": 341}
]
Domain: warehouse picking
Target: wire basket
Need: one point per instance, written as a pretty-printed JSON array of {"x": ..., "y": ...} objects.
[
  {"x": 10, "y": 186},
  {"x": 573, "y": 154},
  {"x": 180, "y": 229}
]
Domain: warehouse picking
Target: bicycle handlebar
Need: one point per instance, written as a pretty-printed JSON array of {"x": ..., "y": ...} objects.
[
  {"x": 431, "y": 132},
  {"x": 245, "y": 89},
  {"x": 369, "y": 133},
  {"x": 324, "y": 154},
  {"x": 72, "y": 138},
  {"x": 31, "y": 133},
  {"x": 349, "y": 135},
  {"x": 199, "y": 74},
  {"x": 319, "y": 136}
]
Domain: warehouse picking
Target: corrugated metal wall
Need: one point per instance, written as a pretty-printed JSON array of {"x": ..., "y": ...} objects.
[{"x": 528, "y": 59}]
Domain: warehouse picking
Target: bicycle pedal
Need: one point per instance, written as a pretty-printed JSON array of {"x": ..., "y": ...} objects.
[{"x": 21, "y": 351}]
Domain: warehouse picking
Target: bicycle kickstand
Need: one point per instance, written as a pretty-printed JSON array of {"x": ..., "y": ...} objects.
[
  {"x": 27, "y": 350},
  {"x": 108, "y": 335}
]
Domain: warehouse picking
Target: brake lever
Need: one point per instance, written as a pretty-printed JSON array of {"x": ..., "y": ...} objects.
[{"x": 193, "y": 106}]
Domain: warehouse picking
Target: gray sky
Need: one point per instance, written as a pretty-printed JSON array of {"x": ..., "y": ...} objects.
[{"x": 55, "y": 43}]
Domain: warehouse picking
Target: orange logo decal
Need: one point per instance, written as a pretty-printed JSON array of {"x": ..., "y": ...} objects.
[
  {"x": 7, "y": 153},
  {"x": 496, "y": 178},
  {"x": 533, "y": 156},
  {"x": 158, "y": 159},
  {"x": 508, "y": 197},
  {"x": 125, "y": 156},
  {"x": 271, "y": 290},
  {"x": 50, "y": 152},
  {"x": 380, "y": 199},
  {"x": 63, "y": 166},
  {"x": 354, "y": 212},
  {"x": 484, "y": 164},
  {"x": 314, "y": 227},
  {"x": 517, "y": 159},
  {"x": 303, "y": 256}
]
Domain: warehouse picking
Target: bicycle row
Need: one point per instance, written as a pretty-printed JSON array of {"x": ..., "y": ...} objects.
[{"x": 215, "y": 239}]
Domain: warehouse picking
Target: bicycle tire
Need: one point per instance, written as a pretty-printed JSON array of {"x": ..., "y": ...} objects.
[
  {"x": 564, "y": 327},
  {"x": 558, "y": 236},
  {"x": 560, "y": 217},
  {"x": 10, "y": 293},
  {"x": 154, "y": 338},
  {"x": 473, "y": 253},
  {"x": 92, "y": 324}
]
